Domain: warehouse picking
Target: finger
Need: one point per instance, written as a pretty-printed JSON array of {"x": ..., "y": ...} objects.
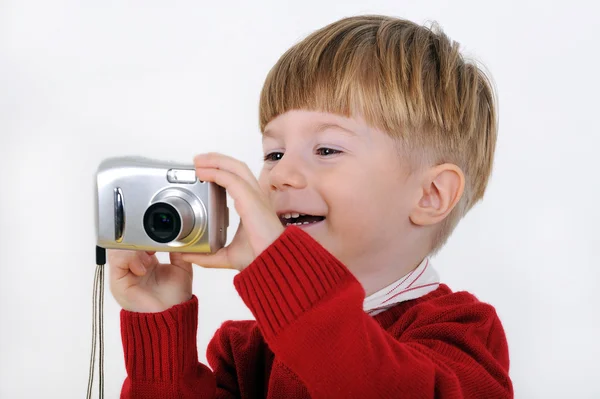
[
  {"x": 142, "y": 263},
  {"x": 218, "y": 260},
  {"x": 237, "y": 188},
  {"x": 124, "y": 261},
  {"x": 253, "y": 209},
  {"x": 176, "y": 259},
  {"x": 227, "y": 163},
  {"x": 234, "y": 184}
]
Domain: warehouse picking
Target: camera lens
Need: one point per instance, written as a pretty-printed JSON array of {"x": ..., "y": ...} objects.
[{"x": 162, "y": 222}]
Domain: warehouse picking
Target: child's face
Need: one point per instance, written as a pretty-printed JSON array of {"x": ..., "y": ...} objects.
[{"x": 345, "y": 174}]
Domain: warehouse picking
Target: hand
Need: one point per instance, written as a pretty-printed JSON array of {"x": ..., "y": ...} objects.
[
  {"x": 139, "y": 283},
  {"x": 259, "y": 224}
]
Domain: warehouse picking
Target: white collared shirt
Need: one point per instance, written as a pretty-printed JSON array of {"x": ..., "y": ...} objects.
[{"x": 415, "y": 284}]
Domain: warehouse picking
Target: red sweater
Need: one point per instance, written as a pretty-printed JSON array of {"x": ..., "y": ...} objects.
[{"x": 312, "y": 339}]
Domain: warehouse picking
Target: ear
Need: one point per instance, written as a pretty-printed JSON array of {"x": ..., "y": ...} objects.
[{"x": 441, "y": 189}]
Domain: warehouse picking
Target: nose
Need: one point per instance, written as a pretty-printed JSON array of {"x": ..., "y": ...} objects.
[{"x": 287, "y": 173}]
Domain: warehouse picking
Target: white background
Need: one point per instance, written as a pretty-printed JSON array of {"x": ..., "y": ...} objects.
[{"x": 169, "y": 79}]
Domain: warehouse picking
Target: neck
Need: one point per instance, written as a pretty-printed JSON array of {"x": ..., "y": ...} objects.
[{"x": 378, "y": 270}]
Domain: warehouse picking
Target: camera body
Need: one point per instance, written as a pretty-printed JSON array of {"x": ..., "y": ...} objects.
[{"x": 151, "y": 205}]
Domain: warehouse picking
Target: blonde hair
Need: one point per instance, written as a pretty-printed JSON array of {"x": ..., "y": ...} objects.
[{"x": 402, "y": 78}]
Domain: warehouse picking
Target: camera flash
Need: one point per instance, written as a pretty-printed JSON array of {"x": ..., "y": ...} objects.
[{"x": 181, "y": 176}]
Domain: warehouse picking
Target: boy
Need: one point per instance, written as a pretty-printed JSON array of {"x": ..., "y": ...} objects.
[{"x": 378, "y": 138}]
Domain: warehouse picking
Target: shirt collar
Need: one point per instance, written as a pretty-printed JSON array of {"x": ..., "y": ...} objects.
[{"x": 415, "y": 284}]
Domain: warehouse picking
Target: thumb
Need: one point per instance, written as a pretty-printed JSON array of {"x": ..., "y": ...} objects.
[{"x": 218, "y": 260}]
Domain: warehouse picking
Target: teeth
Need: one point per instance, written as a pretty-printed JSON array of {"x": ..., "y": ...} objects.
[
  {"x": 292, "y": 215},
  {"x": 296, "y": 224}
]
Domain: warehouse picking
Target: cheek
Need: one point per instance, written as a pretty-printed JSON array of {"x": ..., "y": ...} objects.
[
  {"x": 368, "y": 204},
  {"x": 352, "y": 205}
]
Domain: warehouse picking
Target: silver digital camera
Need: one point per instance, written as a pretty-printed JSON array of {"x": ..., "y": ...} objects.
[{"x": 150, "y": 205}]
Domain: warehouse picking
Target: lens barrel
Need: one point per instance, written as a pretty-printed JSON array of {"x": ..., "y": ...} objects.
[{"x": 168, "y": 220}]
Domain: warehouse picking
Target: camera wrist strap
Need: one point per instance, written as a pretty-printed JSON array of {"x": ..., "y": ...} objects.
[{"x": 98, "y": 325}]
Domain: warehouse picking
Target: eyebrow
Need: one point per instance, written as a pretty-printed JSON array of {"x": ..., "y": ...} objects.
[
  {"x": 321, "y": 127},
  {"x": 324, "y": 126}
]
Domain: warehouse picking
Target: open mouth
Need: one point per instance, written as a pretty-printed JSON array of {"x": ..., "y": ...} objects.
[{"x": 299, "y": 219}]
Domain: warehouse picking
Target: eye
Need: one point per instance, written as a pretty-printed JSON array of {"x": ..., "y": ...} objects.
[
  {"x": 325, "y": 152},
  {"x": 273, "y": 156}
]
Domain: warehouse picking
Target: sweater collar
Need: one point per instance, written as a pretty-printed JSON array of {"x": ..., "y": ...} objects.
[{"x": 415, "y": 284}]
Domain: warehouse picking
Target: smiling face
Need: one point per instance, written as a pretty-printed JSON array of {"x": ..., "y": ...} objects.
[{"x": 343, "y": 182}]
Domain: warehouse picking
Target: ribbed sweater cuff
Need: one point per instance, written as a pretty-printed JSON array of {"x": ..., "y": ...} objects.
[
  {"x": 287, "y": 279},
  {"x": 161, "y": 346}
]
